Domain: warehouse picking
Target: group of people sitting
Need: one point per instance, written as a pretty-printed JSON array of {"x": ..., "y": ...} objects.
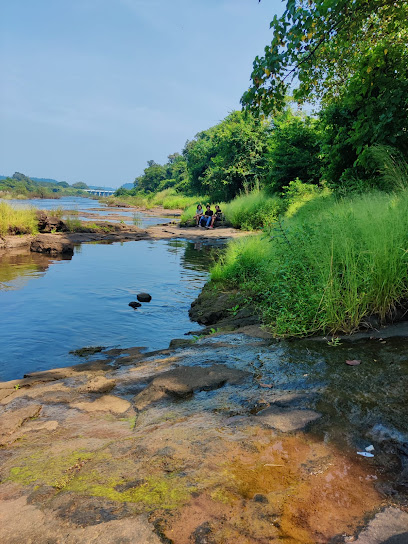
[{"x": 208, "y": 218}]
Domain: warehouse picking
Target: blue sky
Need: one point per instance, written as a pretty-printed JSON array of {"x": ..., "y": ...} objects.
[{"x": 93, "y": 89}]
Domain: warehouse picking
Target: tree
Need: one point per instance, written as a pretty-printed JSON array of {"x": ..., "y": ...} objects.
[
  {"x": 229, "y": 157},
  {"x": 373, "y": 109},
  {"x": 318, "y": 45},
  {"x": 150, "y": 180},
  {"x": 80, "y": 185},
  {"x": 294, "y": 151}
]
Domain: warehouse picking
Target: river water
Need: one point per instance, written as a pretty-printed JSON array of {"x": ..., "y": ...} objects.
[
  {"x": 49, "y": 307},
  {"x": 77, "y": 207}
]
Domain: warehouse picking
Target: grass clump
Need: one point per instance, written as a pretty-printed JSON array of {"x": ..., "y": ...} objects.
[
  {"x": 326, "y": 266},
  {"x": 252, "y": 211},
  {"x": 17, "y": 220}
]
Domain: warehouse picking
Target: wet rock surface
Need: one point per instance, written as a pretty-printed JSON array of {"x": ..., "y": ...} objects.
[
  {"x": 247, "y": 440},
  {"x": 185, "y": 380}
]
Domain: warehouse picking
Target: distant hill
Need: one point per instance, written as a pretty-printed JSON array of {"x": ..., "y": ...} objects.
[
  {"x": 49, "y": 180},
  {"x": 127, "y": 186}
]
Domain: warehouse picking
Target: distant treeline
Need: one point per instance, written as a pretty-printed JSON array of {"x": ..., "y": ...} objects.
[
  {"x": 20, "y": 185},
  {"x": 244, "y": 152}
]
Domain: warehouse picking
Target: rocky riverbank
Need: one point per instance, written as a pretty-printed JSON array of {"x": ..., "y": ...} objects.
[{"x": 233, "y": 438}]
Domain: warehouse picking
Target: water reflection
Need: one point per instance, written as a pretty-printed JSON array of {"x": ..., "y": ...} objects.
[{"x": 17, "y": 269}]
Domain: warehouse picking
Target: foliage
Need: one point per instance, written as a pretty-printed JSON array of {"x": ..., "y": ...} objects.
[
  {"x": 252, "y": 211},
  {"x": 373, "y": 110},
  {"x": 320, "y": 44},
  {"x": 17, "y": 221},
  {"x": 294, "y": 151},
  {"x": 229, "y": 157}
]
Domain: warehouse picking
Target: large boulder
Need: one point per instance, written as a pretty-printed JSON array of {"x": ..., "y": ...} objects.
[
  {"x": 50, "y": 223},
  {"x": 52, "y": 245}
]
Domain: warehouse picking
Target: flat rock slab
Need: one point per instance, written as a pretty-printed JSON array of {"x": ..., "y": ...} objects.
[
  {"x": 97, "y": 385},
  {"x": 286, "y": 420},
  {"x": 107, "y": 403},
  {"x": 11, "y": 420},
  {"x": 23, "y": 523},
  {"x": 388, "y": 527},
  {"x": 184, "y": 380}
]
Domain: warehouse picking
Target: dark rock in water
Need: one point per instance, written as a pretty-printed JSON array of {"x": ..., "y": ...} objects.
[
  {"x": 143, "y": 297},
  {"x": 180, "y": 342},
  {"x": 134, "y": 304},
  {"x": 184, "y": 380}
]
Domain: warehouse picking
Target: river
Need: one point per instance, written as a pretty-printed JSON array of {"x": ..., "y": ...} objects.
[{"x": 49, "y": 307}]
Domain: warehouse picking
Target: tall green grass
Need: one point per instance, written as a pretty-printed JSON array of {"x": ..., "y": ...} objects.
[
  {"x": 17, "y": 221},
  {"x": 327, "y": 267}
]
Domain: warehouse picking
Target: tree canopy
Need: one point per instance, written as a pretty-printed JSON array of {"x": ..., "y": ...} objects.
[{"x": 318, "y": 45}]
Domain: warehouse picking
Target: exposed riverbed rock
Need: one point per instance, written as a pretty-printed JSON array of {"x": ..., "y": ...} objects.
[
  {"x": 134, "y": 304},
  {"x": 185, "y": 380},
  {"x": 228, "y": 311},
  {"x": 11, "y": 420},
  {"x": 50, "y": 223},
  {"x": 98, "y": 385},
  {"x": 52, "y": 245}
]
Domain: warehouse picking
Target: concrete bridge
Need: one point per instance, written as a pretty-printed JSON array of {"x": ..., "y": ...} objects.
[{"x": 99, "y": 192}]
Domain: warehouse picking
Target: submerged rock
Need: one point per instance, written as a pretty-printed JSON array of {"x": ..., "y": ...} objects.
[
  {"x": 184, "y": 380},
  {"x": 286, "y": 419},
  {"x": 134, "y": 304}
]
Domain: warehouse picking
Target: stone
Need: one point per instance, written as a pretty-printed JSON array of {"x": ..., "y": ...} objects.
[
  {"x": 107, "y": 403},
  {"x": 50, "y": 223},
  {"x": 11, "y": 420},
  {"x": 52, "y": 244},
  {"x": 286, "y": 420},
  {"x": 144, "y": 297},
  {"x": 180, "y": 343},
  {"x": 185, "y": 380},
  {"x": 389, "y": 526},
  {"x": 134, "y": 304},
  {"x": 100, "y": 384}
]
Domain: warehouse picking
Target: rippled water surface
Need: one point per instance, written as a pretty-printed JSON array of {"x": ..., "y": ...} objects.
[{"x": 50, "y": 307}]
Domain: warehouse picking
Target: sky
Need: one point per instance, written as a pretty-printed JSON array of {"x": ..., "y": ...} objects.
[{"x": 92, "y": 89}]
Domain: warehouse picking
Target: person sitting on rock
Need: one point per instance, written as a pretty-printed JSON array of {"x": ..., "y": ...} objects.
[
  {"x": 205, "y": 220},
  {"x": 216, "y": 217},
  {"x": 198, "y": 214}
]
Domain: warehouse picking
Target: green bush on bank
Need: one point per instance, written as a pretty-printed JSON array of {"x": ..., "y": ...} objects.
[
  {"x": 327, "y": 267},
  {"x": 17, "y": 221}
]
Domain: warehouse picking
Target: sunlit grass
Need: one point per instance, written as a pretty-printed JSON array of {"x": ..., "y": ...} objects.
[{"x": 17, "y": 220}]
